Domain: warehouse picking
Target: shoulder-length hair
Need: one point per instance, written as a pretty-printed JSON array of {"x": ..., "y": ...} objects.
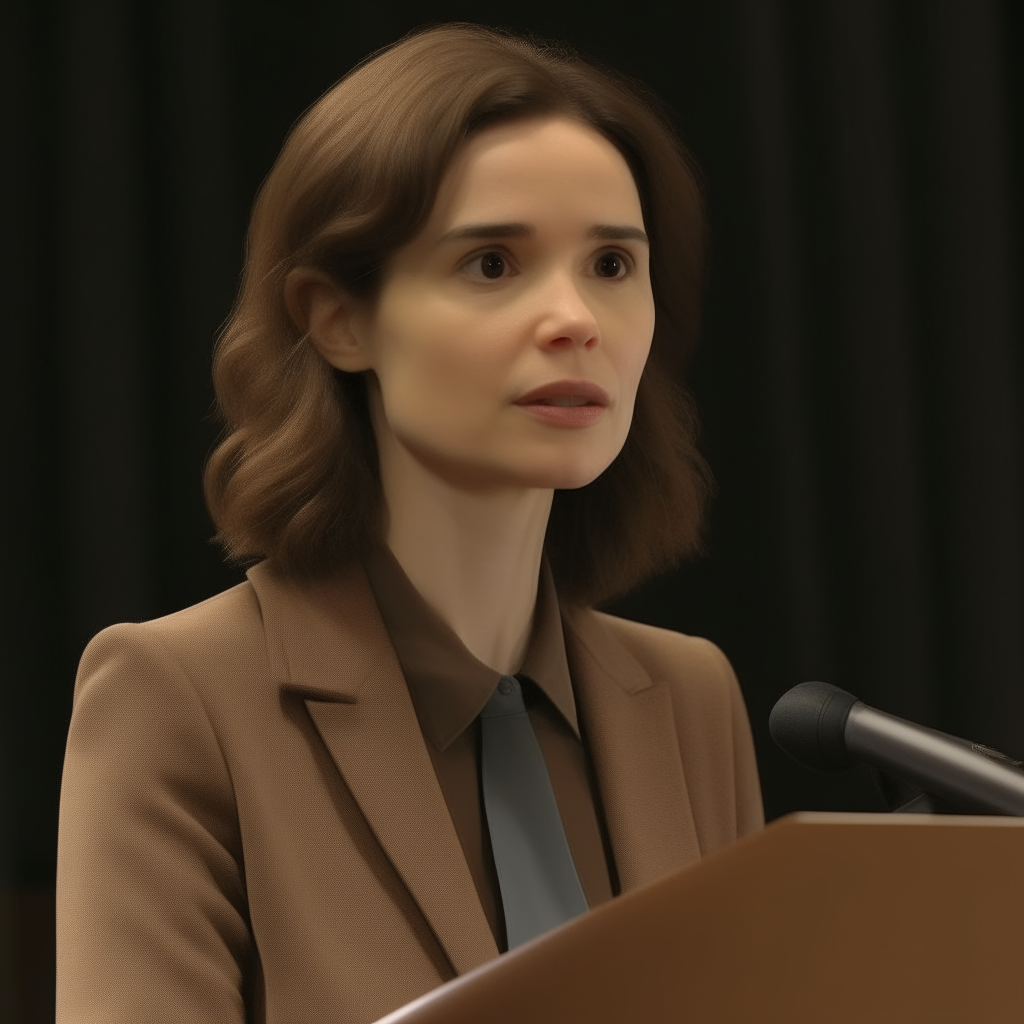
[{"x": 295, "y": 477}]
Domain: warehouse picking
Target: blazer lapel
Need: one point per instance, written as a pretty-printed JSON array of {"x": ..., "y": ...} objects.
[
  {"x": 327, "y": 643},
  {"x": 628, "y": 723}
]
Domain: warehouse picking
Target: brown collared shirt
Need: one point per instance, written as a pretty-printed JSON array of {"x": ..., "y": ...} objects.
[{"x": 449, "y": 688}]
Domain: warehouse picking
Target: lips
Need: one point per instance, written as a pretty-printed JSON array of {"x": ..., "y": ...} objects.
[{"x": 566, "y": 393}]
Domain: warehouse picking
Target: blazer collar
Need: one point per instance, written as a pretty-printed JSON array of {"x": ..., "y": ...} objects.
[{"x": 327, "y": 644}]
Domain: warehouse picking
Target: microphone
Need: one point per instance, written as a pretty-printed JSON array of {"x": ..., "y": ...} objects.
[{"x": 828, "y": 729}]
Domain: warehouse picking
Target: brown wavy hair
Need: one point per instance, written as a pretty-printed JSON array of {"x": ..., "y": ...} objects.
[{"x": 295, "y": 477}]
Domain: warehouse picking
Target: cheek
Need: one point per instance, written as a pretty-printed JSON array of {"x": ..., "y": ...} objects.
[
  {"x": 641, "y": 360},
  {"x": 632, "y": 335},
  {"x": 631, "y": 369},
  {"x": 438, "y": 377},
  {"x": 634, "y": 360}
]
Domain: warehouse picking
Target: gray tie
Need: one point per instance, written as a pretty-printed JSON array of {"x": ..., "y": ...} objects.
[{"x": 536, "y": 874}]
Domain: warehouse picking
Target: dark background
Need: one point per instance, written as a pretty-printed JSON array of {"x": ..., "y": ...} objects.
[{"x": 860, "y": 373}]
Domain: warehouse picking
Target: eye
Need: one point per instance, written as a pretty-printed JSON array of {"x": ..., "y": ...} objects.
[
  {"x": 613, "y": 264},
  {"x": 492, "y": 263}
]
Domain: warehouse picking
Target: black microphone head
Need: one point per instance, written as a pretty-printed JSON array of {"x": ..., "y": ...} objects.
[{"x": 809, "y": 723}]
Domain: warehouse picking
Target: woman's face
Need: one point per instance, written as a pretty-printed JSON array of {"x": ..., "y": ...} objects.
[{"x": 532, "y": 269}]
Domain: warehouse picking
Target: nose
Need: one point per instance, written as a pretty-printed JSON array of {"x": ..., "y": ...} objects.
[{"x": 566, "y": 320}]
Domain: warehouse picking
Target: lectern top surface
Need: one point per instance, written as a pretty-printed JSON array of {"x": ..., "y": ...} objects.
[{"x": 857, "y": 818}]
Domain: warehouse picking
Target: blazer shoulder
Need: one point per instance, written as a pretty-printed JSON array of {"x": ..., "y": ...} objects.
[
  {"x": 217, "y": 618},
  {"x": 223, "y": 630},
  {"x": 669, "y": 655},
  {"x": 713, "y": 730}
]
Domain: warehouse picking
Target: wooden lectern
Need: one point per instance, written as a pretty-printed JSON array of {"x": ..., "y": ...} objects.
[{"x": 819, "y": 919}]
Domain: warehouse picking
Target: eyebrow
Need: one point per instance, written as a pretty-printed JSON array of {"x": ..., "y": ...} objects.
[{"x": 614, "y": 232}]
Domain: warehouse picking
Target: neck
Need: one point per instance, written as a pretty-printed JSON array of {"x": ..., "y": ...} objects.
[{"x": 473, "y": 556}]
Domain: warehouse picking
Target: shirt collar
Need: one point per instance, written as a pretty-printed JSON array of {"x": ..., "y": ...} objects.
[{"x": 447, "y": 684}]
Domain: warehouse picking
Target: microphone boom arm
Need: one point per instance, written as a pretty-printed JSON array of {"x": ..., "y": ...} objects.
[
  {"x": 826, "y": 728},
  {"x": 938, "y": 763}
]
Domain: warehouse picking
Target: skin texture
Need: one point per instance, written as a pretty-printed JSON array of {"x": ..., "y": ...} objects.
[{"x": 461, "y": 330}]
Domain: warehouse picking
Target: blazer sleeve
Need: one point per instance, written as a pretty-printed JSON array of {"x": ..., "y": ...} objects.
[
  {"x": 717, "y": 746},
  {"x": 749, "y": 802},
  {"x": 152, "y": 921}
]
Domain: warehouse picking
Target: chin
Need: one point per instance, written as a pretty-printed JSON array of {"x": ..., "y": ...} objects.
[
  {"x": 563, "y": 472},
  {"x": 577, "y": 482},
  {"x": 569, "y": 478}
]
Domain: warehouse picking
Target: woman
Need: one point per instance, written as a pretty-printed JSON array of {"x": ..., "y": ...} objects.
[{"x": 451, "y": 430}]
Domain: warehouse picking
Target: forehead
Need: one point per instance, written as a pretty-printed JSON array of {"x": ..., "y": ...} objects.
[{"x": 552, "y": 163}]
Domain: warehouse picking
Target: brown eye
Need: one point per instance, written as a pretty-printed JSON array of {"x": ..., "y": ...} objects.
[
  {"x": 610, "y": 264},
  {"x": 493, "y": 264}
]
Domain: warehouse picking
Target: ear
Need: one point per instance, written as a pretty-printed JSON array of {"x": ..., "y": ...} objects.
[{"x": 320, "y": 309}]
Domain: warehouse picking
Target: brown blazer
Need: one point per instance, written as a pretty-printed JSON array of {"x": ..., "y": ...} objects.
[{"x": 251, "y": 829}]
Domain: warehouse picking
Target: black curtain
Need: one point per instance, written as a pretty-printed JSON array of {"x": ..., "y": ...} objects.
[{"x": 860, "y": 373}]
